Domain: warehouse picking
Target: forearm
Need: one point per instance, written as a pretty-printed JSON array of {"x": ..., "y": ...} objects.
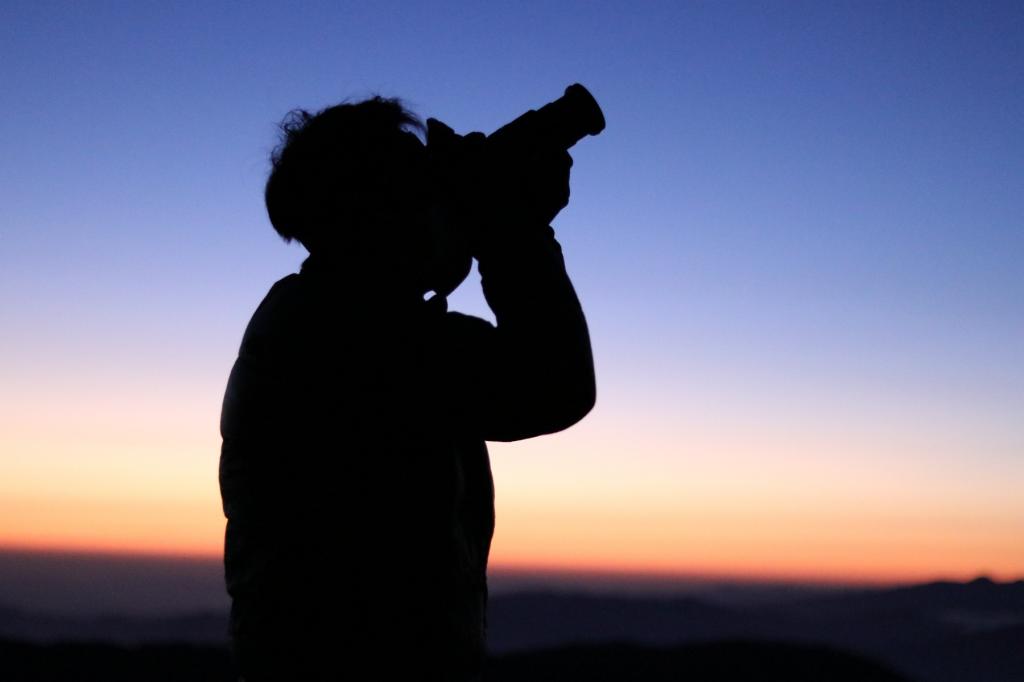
[{"x": 542, "y": 334}]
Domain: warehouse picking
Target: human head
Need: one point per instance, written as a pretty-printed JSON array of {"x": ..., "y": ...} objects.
[{"x": 349, "y": 181}]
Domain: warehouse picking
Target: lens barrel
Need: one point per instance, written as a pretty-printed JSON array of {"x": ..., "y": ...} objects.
[
  {"x": 556, "y": 125},
  {"x": 571, "y": 117}
]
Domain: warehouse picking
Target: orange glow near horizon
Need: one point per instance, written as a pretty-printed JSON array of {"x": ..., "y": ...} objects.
[
  {"x": 797, "y": 247},
  {"x": 714, "y": 542},
  {"x": 628, "y": 491}
]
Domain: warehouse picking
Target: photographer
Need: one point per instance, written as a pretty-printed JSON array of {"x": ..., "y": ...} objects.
[{"x": 354, "y": 473}]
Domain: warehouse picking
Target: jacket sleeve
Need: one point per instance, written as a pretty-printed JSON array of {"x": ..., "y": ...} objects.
[{"x": 533, "y": 373}]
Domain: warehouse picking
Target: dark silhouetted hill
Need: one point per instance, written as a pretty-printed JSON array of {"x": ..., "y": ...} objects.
[
  {"x": 934, "y": 632},
  {"x": 543, "y": 620},
  {"x": 719, "y": 662},
  {"x": 91, "y": 662},
  {"x": 937, "y": 632},
  {"x": 711, "y": 662},
  {"x": 190, "y": 628}
]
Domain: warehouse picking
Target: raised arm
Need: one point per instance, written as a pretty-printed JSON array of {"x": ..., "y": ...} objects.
[{"x": 533, "y": 373}]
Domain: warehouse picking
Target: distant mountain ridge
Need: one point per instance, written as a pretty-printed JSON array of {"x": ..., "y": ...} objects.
[
  {"x": 942, "y": 632},
  {"x": 716, "y": 662},
  {"x": 192, "y": 628}
]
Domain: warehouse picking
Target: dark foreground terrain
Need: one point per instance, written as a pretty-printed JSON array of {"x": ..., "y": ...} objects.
[
  {"x": 936, "y": 632},
  {"x": 723, "y": 661}
]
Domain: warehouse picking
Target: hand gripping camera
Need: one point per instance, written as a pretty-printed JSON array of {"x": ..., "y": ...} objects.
[{"x": 474, "y": 176}]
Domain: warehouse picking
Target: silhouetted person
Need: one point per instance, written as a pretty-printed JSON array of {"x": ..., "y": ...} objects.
[{"x": 354, "y": 473}]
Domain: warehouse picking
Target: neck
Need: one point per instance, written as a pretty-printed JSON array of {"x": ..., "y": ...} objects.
[{"x": 356, "y": 279}]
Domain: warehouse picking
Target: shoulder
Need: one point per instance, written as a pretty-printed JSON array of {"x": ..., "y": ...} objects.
[{"x": 281, "y": 308}]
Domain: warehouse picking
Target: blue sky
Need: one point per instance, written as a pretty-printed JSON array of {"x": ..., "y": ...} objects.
[{"x": 800, "y": 216}]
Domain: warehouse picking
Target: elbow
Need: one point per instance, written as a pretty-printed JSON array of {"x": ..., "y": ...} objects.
[
  {"x": 571, "y": 405},
  {"x": 544, "y": 408},
  {"x": 585, "y": 400},
  {"x": 583, "y": 393}
]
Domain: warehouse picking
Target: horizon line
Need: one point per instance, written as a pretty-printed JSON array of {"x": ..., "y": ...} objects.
[{"x": 652, "y": 577}]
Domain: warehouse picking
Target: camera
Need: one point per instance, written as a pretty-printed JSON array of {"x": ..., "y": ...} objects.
[
  {"x": 517, "y": 175},
  {"x": 557, "y": 125}
]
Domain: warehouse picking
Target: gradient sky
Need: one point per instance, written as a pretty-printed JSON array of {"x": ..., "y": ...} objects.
[{"x": 798, "y": 244}]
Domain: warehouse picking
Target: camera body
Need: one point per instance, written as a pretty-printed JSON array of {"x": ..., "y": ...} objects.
[{"x": 517, "y": 174}]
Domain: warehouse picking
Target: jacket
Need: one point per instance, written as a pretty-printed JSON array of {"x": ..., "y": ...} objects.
[{"x": 354, "y": 473}]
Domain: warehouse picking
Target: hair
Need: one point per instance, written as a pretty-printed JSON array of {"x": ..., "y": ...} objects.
[{"x": 335, "y": 170}]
